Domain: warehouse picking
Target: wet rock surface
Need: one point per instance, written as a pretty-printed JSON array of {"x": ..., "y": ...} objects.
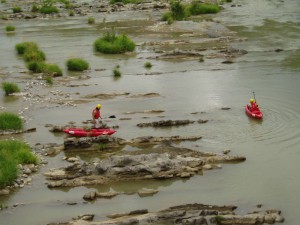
[
  {"x": 160, "y": 161},
  {"x": 189, "y": 214}
]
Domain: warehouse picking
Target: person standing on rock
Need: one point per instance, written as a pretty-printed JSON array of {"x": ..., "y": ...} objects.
[{"x": 97, "y": 116}]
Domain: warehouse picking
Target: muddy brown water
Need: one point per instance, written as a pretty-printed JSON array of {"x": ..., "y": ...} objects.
[{"x": 270, "y": 176}]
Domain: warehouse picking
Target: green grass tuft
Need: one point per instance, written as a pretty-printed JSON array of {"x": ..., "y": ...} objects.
[
  {"x": 48, "y": 9},
  {"x": 117, "y": 72},
  {"x": 49, "y": 80},
  {"x": 34, "y": 55},
  {"x": 10, "y": 28},
  {"x": 111, "y": 43},
  {"x": 10, "y": 88},
  {"x": 91, "y": 20},
  {"x": 17, "y": 9},
  {"x": 12, "y": 153},
  {"x": 24, "y": 46},
  {"x": 35, "y": 8},
  {"x": 197, "y": 8},
  {"x": 52, "y": 70},
  {"x": 77, "y": 64},
  {"x": 10, "y": 121},
  {"x": 148, "y": 65}
]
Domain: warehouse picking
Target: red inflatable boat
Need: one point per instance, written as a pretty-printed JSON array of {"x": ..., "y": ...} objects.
[
  {"x": 79, "y": 132},
  {"x": 257, "y": 114}
]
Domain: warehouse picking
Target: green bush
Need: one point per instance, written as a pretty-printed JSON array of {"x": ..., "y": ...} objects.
[
  {"x": 178, "y": 10},
  {"x": 10, "y": 88},
  {"x": 35, "y": 8},
  {"x": 17, "y": 9},
  {"x": 36, "y": 66},
  {"x": 34, "y": 55},
  {"x": 197, "y": 8},
  {"x": 76, "y": 64},
  {"x": 52, "y": 70},
  {"x": 168, "y": 16},
  {"x": 117, "y": 72},
  {"x": 110, "y": 43},
  {"x": 147, "y": 65},
  {"x": 48, "y": 9},
  {"x": 10, "y": 28},
  {"x": 91, "y": 20},
  {"x": 3, "y": 1},
  {"x": 42, "y": 67},
  {"x": 12, "y": 153},
  {"x": 49, "y": 79},
  {"x": 71, "y": 13},
  {"x": 10, "y": 121},
  {"x": 24, "y": 46}
]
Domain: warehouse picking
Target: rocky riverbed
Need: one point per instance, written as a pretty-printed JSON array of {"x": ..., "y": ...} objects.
[{"x": 158, "y": 157}]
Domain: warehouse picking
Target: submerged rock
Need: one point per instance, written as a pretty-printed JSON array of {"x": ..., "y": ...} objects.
[{"x": 165, "y": 123}]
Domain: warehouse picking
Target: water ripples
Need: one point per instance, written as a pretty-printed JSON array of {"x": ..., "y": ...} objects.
[{"x": 280, "y": 125}]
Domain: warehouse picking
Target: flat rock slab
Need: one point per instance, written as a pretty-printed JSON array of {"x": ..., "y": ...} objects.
[{"x": 190, "y": 214}]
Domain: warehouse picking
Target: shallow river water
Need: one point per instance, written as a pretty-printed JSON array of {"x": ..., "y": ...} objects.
[{"x": 269, "y": 176}]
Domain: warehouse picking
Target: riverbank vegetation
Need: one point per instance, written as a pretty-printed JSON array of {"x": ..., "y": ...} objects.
[
  {"x": 111, "y": 43},
  {"x": 77, "y": 64},
  {"x": 10, "y": 121},
  {"x": 13, "y": 153},
  {"x": 180, "y": 11},
  {"x": 10, "y": 88}
]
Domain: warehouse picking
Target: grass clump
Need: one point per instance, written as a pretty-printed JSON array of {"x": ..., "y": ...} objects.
[
  {"x": 35, "y": 59},
  {"x": 49, "y": 80},
  {"x": 34, "y": 55},
  {"x": 35, "y": 8},
  {"x": 177, "y": 12},
  {"x": 10, "y": 88},
  {"x": 180, "y": 11},
  {"x": 24, "y": 46},
  {"x": 111, "y": 43},
  {"x": 71, "y": 13},
  {"x": 17, "y": 9},
  {"x": 36, "y": 67},
  {"x": 12, "y": 153},
  {"x": 10, "y": 28},
  {"x": 91, "y": 20},
  {"x": 46, "y": 68},
  {"x": 3, "y": 1},
  {"x": 10, "y": 121},
  {"x": 197, "y": 8},
  {"x": 117, "y": 72},
  {"x": 52, "y": 70},
  {"x": 148, "y": 65},
  {"x": 77, "y": 64},
  {"x": 48, "y": 9}
]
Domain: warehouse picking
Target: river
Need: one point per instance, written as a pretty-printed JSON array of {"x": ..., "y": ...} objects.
[{"x": 271, "y": 69}]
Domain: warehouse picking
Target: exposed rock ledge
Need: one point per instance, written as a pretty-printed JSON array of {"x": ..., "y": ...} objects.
[
  {"x": 162, "y": 162},
  {"x": 190, "y": 214}
]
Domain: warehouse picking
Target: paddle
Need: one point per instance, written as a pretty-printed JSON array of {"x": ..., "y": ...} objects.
[{"x": 254, "y": 97}]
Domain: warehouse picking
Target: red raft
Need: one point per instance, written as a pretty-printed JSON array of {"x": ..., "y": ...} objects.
[
  {"x": 79, "y": 132},
  {"x": 257, "y": 114}
]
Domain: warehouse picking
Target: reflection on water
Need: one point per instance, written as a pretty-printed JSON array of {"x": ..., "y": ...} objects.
[{"x": 270, "y": 174}]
